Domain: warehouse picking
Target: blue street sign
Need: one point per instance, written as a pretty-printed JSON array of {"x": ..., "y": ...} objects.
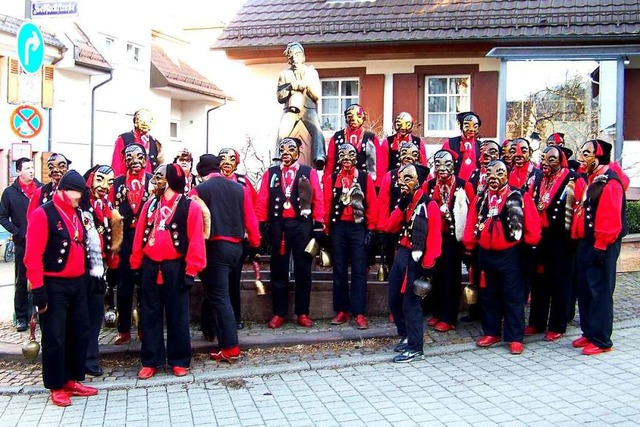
[{"x": 30, "y": 47}]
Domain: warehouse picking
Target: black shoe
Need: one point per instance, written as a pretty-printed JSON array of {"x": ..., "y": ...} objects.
[
  {"x": 239, "y": 324},
  {"x": 402, "y": 345},
  {"x": 408, "y": 356},
  {"x": 21, "y": 326},
  {"x": 94, "y": 371},
  {"x": 469, "y": 318}
]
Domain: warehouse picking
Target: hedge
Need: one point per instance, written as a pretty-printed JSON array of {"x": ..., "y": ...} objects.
[{"x": 633, "y": 216}]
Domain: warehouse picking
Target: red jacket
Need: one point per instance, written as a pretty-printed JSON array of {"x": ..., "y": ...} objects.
[
  {"x": 117, "y": 160},
  {"x": 163, "y": 248},
  {"x": 493, "y": 236},
  {"x": 433, "y": 244},
  {"x": 37, "y": 237}
]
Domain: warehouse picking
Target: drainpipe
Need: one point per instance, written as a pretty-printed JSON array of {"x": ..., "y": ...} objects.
[
  {"x": 206, "y": 148},
  {"x": 49, "y": 131},
  {"x": 93, "y": 114}
]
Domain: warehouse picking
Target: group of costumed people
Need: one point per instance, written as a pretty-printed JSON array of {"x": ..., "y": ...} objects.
[{"x": 520, "y": 228}]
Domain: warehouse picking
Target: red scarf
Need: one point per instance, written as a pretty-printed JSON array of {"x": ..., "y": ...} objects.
[
  {"x": 27, "y": 189},
  {"x": 354, "y": 137},
  {"x": 135, "y": 190}
]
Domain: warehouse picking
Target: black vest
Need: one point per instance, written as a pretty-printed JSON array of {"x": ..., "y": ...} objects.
[
  {"x": 408, "y": 226},
  {"x": 177, "y": 226},
  {"x": 361, "y": 159},
  {"x": 59, "y": 240},
  {"x": 129, "y": 215},
  {"x": 593, "y": 200},
  {"x": 556, "y": 208},
  {"x": 337, "y": 207},
  {"x": 46, "y": 194},
  {"x": 394, "y": 192},
  {"x": 276, "y": 191},
  {"x": 483, "y": 211},
  {"x": 225, "y": 200},
  {"x": 394, "y": 155},
  {"x": 454, "y": 145},
  {"x": 460, "y": 183},
  {"x": 152, "y": 155}
]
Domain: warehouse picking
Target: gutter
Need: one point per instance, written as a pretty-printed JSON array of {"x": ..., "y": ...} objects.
[
  {"x": 93, "y": 113},
  {"x": 206, "y": 148}
]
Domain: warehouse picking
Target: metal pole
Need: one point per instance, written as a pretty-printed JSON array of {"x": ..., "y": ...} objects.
[
  {"x": 619, "y": 142},
  {"x": 93, "y": 114},
  {"x": 224, "y": 102},
  {"x": 502, "y": 101}
]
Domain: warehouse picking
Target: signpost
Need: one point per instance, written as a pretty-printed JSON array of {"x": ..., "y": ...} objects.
[
  {"x": 26, "y": 121},
  {"x": 30, "y": 47}
]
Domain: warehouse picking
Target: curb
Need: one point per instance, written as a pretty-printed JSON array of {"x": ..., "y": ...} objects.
[{"x": 253, "y": 371}]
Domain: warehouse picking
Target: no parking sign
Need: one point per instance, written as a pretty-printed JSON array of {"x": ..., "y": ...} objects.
[{"x": 26, "y": 121}]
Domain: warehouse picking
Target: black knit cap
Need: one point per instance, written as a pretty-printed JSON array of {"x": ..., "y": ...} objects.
[
  {"x": 208, "y": 163},
  {"x": 175, "y": 178},
  {"x": 72, "y": 180}
]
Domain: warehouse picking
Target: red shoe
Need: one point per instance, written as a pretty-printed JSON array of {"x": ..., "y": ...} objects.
[
  {"x": 552, "y": 336},
  {"x": 123, "y": 338},
  {"x": 530, "y": 331},
  {"x": 145, "y": 373},
  {"x": 592, "y": 350},
  {"x": 390, "y": 318},
  {"x": 444, "y": 327},
  {"x": 305, "y": 321},
  {"x": 275, "y": 322},
  {"x": 580, "y": 342},
  {"x": 179, "y": 371},
  {"x": 230, "y": 355},
  {"x": 516, "y": 347},
  {"x": 341, "y": 317},
  {"x": 432, "y": 321},
  {"x": 60, "y": 398},
  {"x": 487, "y": 341},
  {"x": 362, "y": 322},
  {"x": 76, "y": 388}
]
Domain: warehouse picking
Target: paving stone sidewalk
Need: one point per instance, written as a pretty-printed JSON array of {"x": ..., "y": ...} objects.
[{"x": 270, "y": 350}]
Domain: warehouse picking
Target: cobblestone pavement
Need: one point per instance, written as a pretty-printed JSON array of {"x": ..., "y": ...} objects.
[
  {"x": 455, "y": 385},
  {"x": 262, "y": 347}
]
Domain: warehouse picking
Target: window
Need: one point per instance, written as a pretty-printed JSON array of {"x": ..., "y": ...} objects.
[
  {"x": 173, "y": 130},
  {"x": 337, "y": 95},
  {"x": 133, "y": 53},
  {"x": 445, "y": 97}
]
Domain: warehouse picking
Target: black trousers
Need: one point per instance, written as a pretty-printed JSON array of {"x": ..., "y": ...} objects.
[
  {"x": 235, "y": 286},
  {"x": 125, "y": 287},
  {"x": 21, "y": 295},
  {"x": 217, "y": 318},
  {"x": 406, "y": 307},
  {"x": 552, "y": 286},
  {"x": 503, "y": 295},
  {"x": 348, "y": 248},
  {"x": 65, "y": 331},
  {"x": 446, "y": 281},
  {"x": 170, "y": 300},
  {"x": 297, "y": 233},
  {"x": 596, "y": 283},
  {"x": 95, "y": 307}
]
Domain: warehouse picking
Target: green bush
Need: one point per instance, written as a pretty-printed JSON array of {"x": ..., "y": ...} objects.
[{"x": 633, "y": 216}]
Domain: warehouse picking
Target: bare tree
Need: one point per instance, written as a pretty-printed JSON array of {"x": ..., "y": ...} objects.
[{"x": 254, "y": 163}]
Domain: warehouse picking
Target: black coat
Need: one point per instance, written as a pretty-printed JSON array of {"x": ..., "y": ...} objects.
[{"x": 13, "y": 211}]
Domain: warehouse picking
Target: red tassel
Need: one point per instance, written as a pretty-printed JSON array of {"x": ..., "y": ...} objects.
[
  {"x": 483, "y": 280},
  {"x": 159, "y": 280},
  {"x": 540, "y": 269},
  {"x": 282, "y": 251},
  {"x": 403, "y": 289},
  {"x": 470, "y": 273}
]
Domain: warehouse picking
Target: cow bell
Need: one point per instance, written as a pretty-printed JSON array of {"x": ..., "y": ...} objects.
[
  {"x": 382, "y": 273},
  {"x": 470, "y": 295},
  {"x": 111, "y": 318},
  {"x": 31, "y": 348},
  {"x": 422, "y": 287},
  {"x": 325, "y": 258},
  {"x": 135, "y": 317},
  {"x": 312, "y": 248}
]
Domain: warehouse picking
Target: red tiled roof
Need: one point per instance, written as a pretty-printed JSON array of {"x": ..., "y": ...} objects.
[
  {"x": 264, "y": 23},
  {"x": 85, "y": 54},
  {"x": 180, "y": 75}
]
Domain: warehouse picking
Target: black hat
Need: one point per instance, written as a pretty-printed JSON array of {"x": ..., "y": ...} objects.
[
  {"x": 603, "y": 151},
  {"x": 556, "y": 139},
  {"x": 296, "y": 141},
  {"x": 461, "y": 116},
  {"x": 144, "y": 150},
  {"x": 423, "y": 172},
  {"x": 535, "y": 135},
  {"x": 175, "y": 178},
  {"x": 208, "y": 163},
  {"x": 72, "y": 180}
]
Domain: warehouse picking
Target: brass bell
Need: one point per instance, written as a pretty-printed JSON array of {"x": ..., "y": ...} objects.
[
  {"x": 31, "y": 348},
  {"x": 135, "y": 317},
  {"x": 260, "y": 289},
  {"x": 470, "y": 295},
  {"x": 325, "y": 258},
  {"x": 422, "y": 287},
  {"x": 312, "y": 248},
  {"x": 111, "y": 318},
  {"x": 382, "y": 273}
]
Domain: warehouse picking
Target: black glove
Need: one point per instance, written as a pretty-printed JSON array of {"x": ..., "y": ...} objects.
[
  {"x": 427, "y": 272},
  {"x": 368, "y": 237},
  {"x": 601, "y": 257},
  {"x": 319, "y": 234},
  {"x": 405, "y": 201},
  {"x": 252, "y": 253},
  {"x": 136, "y": 277},
  {"x": 112, "y": 277},
  {"x": 188, "y": 283},
  {"x": 99, "y": 285},
  {"x": 40, "y": 297}
]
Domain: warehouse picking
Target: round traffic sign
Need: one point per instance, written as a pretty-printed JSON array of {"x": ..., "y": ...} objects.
[
  {"x": 30, "y": 47},
  {"x": 26, "y": 121}
]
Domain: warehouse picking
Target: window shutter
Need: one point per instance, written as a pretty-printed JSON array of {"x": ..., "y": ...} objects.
[
  {"x": 13, "y": 85},
  {"x": 47, "y": 86}
]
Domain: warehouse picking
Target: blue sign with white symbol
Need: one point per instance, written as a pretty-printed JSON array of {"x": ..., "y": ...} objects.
[{"x": 30, "y": 47}]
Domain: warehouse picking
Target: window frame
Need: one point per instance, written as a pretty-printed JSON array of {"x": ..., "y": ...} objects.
[
  {"x": 444, "y": 132},
  {"x": 340, "y": 114},
  {"x": 134, "y": 60}
]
